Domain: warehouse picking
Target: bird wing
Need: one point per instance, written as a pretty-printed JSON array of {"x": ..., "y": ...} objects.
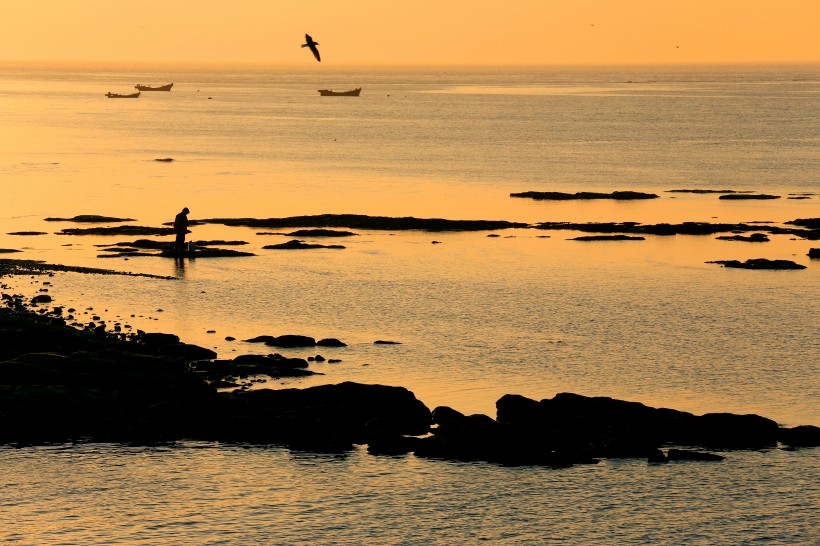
[{"x": 315, "y": 51}]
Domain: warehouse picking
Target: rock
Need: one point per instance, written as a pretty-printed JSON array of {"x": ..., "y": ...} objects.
[
  {"x": 800, "y": 436},
  {"x": 814, "y": 253},
  {"x": 299, "y": 245},
  {"x": 41, "y": 298},
  {"x": 330, "y": 342},
  {"x": 185, "y": 351},
  {"x": 383, "y": 342},
  {"x": 9, "y": 250},
  {"x": 358, "y": 221},
  {"x": 90, "y": 219},
  {"x": 607, "y": 238},
  {"x": 738, "y": 196},
  {"x": 120, "y": 230},
  {"x": 760, "y": 263},
  {"x": 157, "y": 338},
  {"x": 321, "y": 233},
  {"x": 561, "y": 196},
  {"x": 291, "y": 341},
  {"x": 444, "y": 415},
  {"x": 753, "y": 238},
  {"x": 704, "y": 191},
  {"x": 260, "y": 339},
  {"x": 27, "y": 233}
]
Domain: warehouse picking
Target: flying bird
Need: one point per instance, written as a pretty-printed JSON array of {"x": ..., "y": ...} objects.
[{"x": 312, "y": 45}]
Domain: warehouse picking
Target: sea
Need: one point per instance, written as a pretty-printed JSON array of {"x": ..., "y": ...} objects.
[{"x": 475, "y": 315}]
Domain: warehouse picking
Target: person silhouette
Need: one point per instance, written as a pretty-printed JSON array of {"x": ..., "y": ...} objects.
[{"x": 180, "y": 229}]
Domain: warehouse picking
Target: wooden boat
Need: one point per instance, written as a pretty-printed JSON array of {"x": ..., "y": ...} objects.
[
  {"x": 331, "y": 93},
  {"x": 111, "y": 95},
  {"x": 140, "y": 87}
]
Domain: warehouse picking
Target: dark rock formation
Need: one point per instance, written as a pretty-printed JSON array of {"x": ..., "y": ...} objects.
[
  {"x": 274, "y": 365},
  {"x": 561, "y": 196},
  {"x": 814, "y": 253},
  {"x": 320, "y": 233},
  {"x": 812, "y": 223},
  {"x": 330, "y": 342},
  {"x": 759, "y": 263},
  {"x": 9, "y": 250},
  {"x": 298, "y": 245},
  {"x": 686, "y": 228},
  {"x": 573, "y": 429},
  {"x": 705, "y": 191},
  {"x": 27, "y": 233},
  {"x": 738, "y": 196},
  {"x": 607, "y": 238},
  {"x": 119, "y": 230},
  {"x": 90, "y": 219},
  {"x": 206, "y": 253},
  {"x": 358, "y": 221},
  {"x": 294, "y": 340},
  {"x": 800, "y": 436},
  {"x": 753, "y": 238}
]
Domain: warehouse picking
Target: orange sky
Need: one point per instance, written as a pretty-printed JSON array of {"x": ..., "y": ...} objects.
[{"x": 414, "y": 32}]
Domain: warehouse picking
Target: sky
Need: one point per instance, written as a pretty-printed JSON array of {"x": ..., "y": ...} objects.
[{"x": 421, "y": 32}]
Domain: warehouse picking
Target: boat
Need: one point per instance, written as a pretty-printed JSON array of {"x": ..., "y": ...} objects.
[
  {"x": 140, "y": 87},
  {"x": 111, "y": 95},
  {"x": 332, "y": 93}
]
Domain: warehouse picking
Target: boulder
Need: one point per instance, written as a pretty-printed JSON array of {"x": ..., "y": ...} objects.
[
  {"x": 800, "y": 436},
  {"x": 814, "y": 253},
  {"x": 291, "y": 341},
  {"x": 330, "y": 342}
]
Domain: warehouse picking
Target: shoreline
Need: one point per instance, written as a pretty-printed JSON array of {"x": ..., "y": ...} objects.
[{"x": 59, "y": 383}]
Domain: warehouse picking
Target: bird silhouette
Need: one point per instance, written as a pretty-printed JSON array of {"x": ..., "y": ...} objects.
[{"x": 312, "y": 45}]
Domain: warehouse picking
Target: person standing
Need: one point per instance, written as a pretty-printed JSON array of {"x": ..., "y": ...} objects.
[{"x": 180, "y": 229}]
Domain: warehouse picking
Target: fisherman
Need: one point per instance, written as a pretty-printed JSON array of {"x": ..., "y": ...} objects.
[{"x": 181, "y": 228}]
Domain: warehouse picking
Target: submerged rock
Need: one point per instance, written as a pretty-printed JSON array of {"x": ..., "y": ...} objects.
[
  {"x": 359, "y": 221},
  {"x": 561, "y": 196},
  {"x": 738, "y": 196},
  {"x": 814, "y": 253},
  {"x": 298, "y": 245},
  {"x": 90, "y": 219},
  {"x": 119, "y": 230},
  {"x": 760, "y": 263},
  {"x": 608, "y": 238},
  {"x": 753, "y": 238}
]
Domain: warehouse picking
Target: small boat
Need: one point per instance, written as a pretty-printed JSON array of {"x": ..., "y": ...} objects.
[
  {"x": 331, "y": 93},
  {"x": 140, "y": 87},
  {"x": 111, "y": 95}
]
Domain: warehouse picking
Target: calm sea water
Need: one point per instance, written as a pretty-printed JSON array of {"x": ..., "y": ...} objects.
[{"x": 477, "y": 317}]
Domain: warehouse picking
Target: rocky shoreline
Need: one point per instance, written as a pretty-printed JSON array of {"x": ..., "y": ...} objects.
[{"x": 62, "y": 384}]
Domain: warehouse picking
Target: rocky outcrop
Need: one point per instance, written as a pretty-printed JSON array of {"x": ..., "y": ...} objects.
[
  {"x": 575, "y": 429},
  {"x": 607, "y": 238},
  {"x": 753, "y": 238},
  {"x": 294, "y": 341},
  {"x": 90, "y": 219},
  {"x": 359, "y": 221},
  {"x": 118, "y": 230},
  {"x": 814, "y": 253},
  {"x": 759, "y": 263},
  {"x": 584, "y": 195},
  {"x": 299, "y": 245},
  {"x": 739, "y": 196}
]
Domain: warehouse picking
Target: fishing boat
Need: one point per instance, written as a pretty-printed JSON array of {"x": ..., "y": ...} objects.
[
  {"x": 111, "y": 95},
  {"x": 141, "y": 87},
  {"x": 332, "y": 93}
]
